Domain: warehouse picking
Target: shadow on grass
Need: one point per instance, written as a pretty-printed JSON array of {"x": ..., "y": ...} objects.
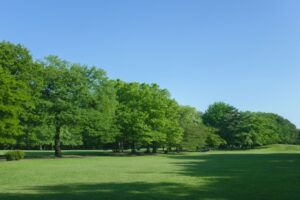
[
  {"x": 245, "y": 176},
  {"x": 110, "y": 191}
]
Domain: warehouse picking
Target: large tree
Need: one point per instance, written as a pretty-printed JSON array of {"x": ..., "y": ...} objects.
[
  {"x": 131, "y": 117},
  {"x": 195, "y": 132},
  {"x": 147, "y": 116},
  {"x": 225, "y": 118},
  {"x": 78, "y": 100},
  {"x": 16, "y": 82}
]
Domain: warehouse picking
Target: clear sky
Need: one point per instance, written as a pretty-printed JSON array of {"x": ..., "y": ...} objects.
[{"x": 245, "y": 53}]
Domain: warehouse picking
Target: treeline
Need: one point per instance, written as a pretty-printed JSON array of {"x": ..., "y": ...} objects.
[{"x": 50, "y": 103}]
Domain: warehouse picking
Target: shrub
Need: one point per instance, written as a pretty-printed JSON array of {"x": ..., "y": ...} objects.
[{"x": 14, "y": 155}]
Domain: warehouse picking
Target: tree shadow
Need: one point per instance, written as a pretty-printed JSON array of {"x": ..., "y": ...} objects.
[
  {"x": 109, "y": 191},
  {"x": 245, "y": 176}
]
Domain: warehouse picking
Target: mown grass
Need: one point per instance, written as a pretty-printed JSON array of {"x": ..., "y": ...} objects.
[{"x": 267, "y": 173}]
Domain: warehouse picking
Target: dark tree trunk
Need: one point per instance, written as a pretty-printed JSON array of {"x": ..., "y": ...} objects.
[
  {"x": 133, "y": 150},
  {"x": 122, "y": 146},
  {"x": 148, "y": 149},
  {"x": 169, "y": 149},
  {"x": 154, "y": 148},
  {"x": 57, "y": 142}
]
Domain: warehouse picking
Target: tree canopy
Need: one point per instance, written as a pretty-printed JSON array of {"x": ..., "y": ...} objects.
[{"x": 53, "y": 104}]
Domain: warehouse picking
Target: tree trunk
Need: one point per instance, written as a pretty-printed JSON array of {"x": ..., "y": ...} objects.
[
  {"x": 57, "y": 142},
  {"x": 122, "y": 146},
  {"x": 133, "y": 147},
  {"x": 169, "y": 149},
  {"x": 148, "y": 149},
  {"x": 154, "y": 148}
]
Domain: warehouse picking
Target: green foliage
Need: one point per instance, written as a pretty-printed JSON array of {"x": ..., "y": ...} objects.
[
  {"x": 14, "y": 155},
  {"x": 195, "y": 132},
  {"x": 214, "y": 141},
  {"x": 53, "y": 103},
  {"x": 249, "y": 129},
  {"x": 147, "y": 115},
  {"x": 15, "y": 67},
  {"x": 78, "y": 99},
  {"x": 225, "y": 118},
  {"x": 265, "y": 128}
]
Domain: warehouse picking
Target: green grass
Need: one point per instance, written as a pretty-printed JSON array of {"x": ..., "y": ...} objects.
[{"x": 268, "y": 173}]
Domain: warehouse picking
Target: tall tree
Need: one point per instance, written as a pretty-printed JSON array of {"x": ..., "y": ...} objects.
[
  {"x": 195, "y": 132},
  {"x": 225, "y": 118},
  {"x": 147, "y": 116},
  {"x": 77, "y": 98},
  {"x": 15, "y": 81}
]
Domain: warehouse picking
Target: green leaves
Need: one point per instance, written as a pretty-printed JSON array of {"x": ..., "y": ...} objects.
[
  {"x": 146, "y": 114},
  {"x": 80, "y": 98},
  {"x": 249, "y": 129},
  {"x": 195, "y": 132},
  {"x": 225, "y": 118},
  {"x": 79, "y": 106},
  {"x": 15, "y": 62}
]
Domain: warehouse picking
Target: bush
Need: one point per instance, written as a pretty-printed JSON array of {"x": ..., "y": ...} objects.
[{"x": 14, "y": 155}]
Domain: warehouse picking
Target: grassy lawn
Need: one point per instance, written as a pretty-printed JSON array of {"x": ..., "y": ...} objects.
[{"x": 268, "y": 173}]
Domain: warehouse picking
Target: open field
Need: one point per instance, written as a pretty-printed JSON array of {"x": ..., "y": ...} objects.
[{"x": 267, "y": 173}]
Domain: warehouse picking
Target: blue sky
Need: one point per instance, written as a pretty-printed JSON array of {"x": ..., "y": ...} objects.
[{"x": 245, "y": 53}]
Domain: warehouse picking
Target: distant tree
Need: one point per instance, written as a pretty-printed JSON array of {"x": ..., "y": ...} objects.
[
  {"x": 214, "y": 141},
  {"x": 258, "y": 128},
  {"x": 225, "y": 118},
  {"x": 287, "y": 130},
  {"x": 172, "y": 127},
  {"x": 195, "y": 132}
]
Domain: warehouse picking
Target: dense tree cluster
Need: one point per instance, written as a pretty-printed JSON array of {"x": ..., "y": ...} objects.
[
  {"x": 249, "y": 129},
  {"x": 53, "y": 103}
]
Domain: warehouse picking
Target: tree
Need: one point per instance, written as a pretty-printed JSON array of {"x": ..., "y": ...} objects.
[
  {"x": 163, "y": 117},
  {"x": 147, "y": 116},
  {"x": 172, "y": 127},
  {"x": 214, "y": 141},
  {"x": 257, "y": 128},
  {"x": 11, "y": 99},
  {"x": 225, "y": 118},
  {"x": 131, "y": 117},
  {"x": 77, "y": 99},
  {"x": 194, "y": 131},
  {"x": 287, "y": 130},
  {"x": 99, "y": 119},
  {"x": 80, "y": 107},
  {"x": 15, "y": 81}
]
